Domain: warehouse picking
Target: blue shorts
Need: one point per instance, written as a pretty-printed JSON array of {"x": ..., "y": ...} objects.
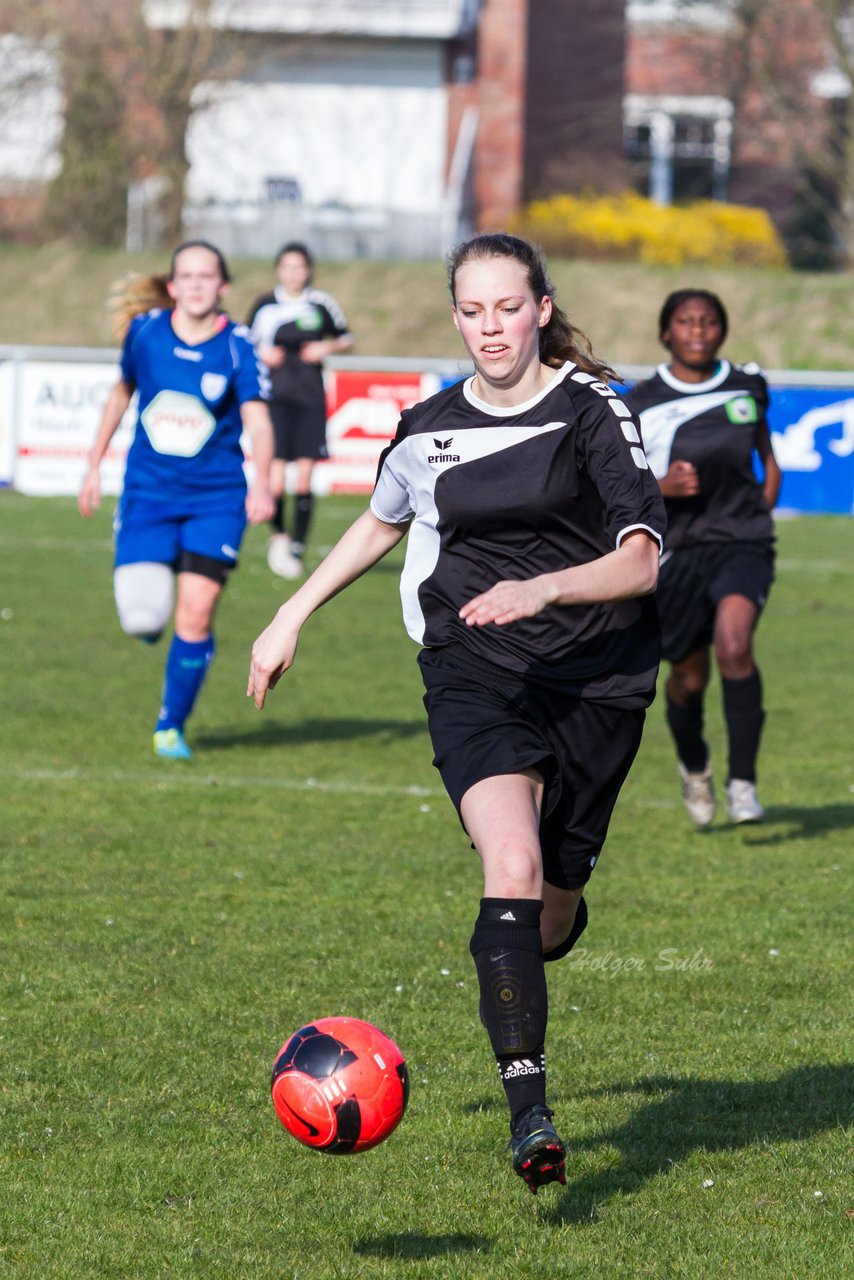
[{"x": 168, "y": 531}]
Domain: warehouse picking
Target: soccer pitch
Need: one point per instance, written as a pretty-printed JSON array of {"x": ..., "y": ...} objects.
[{"x": 165, "y": 926}]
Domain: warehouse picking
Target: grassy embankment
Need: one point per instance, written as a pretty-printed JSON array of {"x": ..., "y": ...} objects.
[{"x": 782, "y": 319}]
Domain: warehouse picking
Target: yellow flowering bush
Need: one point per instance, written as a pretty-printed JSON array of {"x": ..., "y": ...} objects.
[{"x": 629, "y": 227}]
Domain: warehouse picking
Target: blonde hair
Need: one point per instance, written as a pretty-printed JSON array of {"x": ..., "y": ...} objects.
[{"x": 132, "y": 296}]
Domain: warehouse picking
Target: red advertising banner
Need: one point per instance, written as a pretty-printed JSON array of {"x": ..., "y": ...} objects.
[{"x": 363, "y": 409}]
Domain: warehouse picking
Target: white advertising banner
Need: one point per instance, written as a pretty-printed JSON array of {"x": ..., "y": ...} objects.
[
  {"x": 58, "y": 410},
  {"x": 7, "y": 423}
]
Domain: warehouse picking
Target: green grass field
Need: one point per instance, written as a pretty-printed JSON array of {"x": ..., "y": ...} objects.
[
  {"x": 166, "y": 926},
  {"x": 56, "y": 296}
]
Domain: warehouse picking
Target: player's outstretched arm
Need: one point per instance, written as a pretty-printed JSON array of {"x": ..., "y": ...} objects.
[
  {"x": 364, "y": 543},
  {"x": 114, "y": 409}
]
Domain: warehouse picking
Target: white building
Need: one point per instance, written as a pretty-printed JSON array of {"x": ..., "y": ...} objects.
[{"x": 335, "y": 126}]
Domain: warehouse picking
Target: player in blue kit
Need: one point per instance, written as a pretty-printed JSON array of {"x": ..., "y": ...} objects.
[
  {"x": 184, "y": 503},
  {"x": 703, "y": 420},
  {"x": 534, "y": 526}
]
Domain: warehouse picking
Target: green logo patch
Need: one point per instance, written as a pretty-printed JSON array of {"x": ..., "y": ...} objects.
[{"x": 742, "y": 409}]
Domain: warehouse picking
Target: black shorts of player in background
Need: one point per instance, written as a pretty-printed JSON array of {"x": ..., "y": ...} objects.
[
  {"x": 300, "y": 429},
  {"x": 485, "y": 722},
  {"x": 694, "y": 579}
]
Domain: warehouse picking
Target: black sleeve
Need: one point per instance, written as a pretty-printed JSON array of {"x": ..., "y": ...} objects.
[{"x": 612, "y": 453}]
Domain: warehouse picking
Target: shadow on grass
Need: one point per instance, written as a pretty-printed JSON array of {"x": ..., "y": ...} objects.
[
  {"x": 803, "y": 822},
  {"x": 320, "y": 730},
  {"x": 410, "y": 1245},
  {"x": 707, "y": 1115}
]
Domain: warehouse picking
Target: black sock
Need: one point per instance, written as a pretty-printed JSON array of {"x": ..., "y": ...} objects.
[
  {"x": 579, "y": 924},
  {"x": 744, "y": 719},
  {"x": 686, "y": 725},
  {"x": 508, "y": 956},
  {"x": 277, "y": 519},
  {"x": 303, "y": 506}
]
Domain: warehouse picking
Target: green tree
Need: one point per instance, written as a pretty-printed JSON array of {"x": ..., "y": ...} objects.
[
  {"x": 87, "y": 201},
  {"x": 127, "y": 89}
]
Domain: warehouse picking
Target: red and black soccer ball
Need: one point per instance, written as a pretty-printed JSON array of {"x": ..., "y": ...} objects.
[{"x": 340, "y": 1086}]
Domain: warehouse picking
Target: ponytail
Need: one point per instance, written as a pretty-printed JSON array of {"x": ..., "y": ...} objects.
[{"x": 132, "y": 296}]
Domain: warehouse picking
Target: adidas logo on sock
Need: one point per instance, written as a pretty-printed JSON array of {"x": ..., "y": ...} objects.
[
  {"x": 508, "y": 915},
  {"x": 520, "y": 1067}
]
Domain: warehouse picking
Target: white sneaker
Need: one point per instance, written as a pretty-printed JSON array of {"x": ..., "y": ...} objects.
[
  {"x": 742, "y": 802},
  {"x": 281, "y": 558},
  {"x": 291, "y": 567},
  {"x": 698, "y": 794}
]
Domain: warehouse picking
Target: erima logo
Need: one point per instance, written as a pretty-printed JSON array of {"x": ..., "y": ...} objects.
[
  {"x": 508, "y": 915},
  {"x": 443, "y": 455}
]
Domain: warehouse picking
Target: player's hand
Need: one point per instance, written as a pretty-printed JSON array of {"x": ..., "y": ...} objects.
[
  {"x": 681, "y": 480},
  {"x": 260, "y": 504},
  {"x": 89, "y": 497},
  {"x": 507, "y": 602},
  {"x": 313, "y": 352},
  {"x": 272, "y": 653},
  {"x": 273, "y": 357}
]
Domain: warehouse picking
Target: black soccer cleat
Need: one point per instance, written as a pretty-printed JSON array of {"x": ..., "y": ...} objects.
[{"x": 538, "y": 1150}]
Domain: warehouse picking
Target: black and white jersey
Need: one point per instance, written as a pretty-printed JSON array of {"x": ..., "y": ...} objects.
[
  {"x": 510, "y": 493},
  {"x": 280, "y": 321},
  {"x": 713, "y": 425}
]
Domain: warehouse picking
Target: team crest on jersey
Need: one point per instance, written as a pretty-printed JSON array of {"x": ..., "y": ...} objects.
[
  {"x": 741, "y": 409},
  {"x": 213, "y": 385},
  {"x": 309, "y": 320}
]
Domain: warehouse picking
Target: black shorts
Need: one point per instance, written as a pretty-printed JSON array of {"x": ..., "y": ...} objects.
[
  {"x": 485, "y": 722},
  {"x": 299, "y": 429},
  {"x": 693, "y": 580}
]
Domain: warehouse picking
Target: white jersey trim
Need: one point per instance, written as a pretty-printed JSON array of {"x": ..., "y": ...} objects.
[
  {"x": 511, "y": 410},
  {"x": 633, "y": 528},
  {"x": 407, "y": 482},
  {"x": 660, "y": 423},
  {"x": 695, "y": 388}
]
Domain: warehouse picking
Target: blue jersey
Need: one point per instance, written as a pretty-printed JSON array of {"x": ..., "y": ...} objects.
[{"x": 187, "y": 437}]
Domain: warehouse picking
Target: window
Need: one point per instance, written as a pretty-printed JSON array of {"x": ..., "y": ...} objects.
[
  {"x": 709, "y": 14},
  {"x": 679, "y": 148}
]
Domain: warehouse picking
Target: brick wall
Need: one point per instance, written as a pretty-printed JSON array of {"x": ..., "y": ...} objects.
[{"x": 501, "y": 80}]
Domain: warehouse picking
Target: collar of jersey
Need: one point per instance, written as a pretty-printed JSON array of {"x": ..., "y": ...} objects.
[
  {"x": 692, "y": 388},
  {"x": 283, "y": 298},
  {"x": 511, "y": 410}
]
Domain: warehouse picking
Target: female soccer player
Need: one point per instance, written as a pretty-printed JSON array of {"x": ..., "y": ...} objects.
[
  {"x": 534, "y": 534},
  {"x": 184, "y": 503},
  {"x": 295, "y": 328},
  {"x": 703, "y": 420}
]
